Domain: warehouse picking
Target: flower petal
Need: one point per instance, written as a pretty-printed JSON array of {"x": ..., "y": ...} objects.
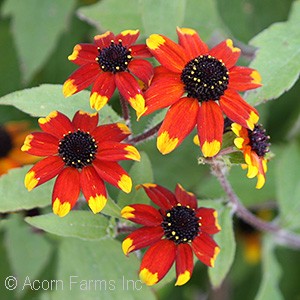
[
  {"x": 189, "y": 39},
  {"x": 102, "y": 90},
  {"x": 238, "y": 110},
  {"x": 161, "y": 196},
  {"x": 85, "y": 121},
  {"x": 43, "y": 171},
  {"x": 116, "y": 132},
  {"x": 142, "y": 214},
  {"x": 142, "y": 69},
  {"x": 56, "y": 124},
  {"x": 209, "y": 220},
  {"x": 93, "y": 189},
  {"x": 83, "y": 54},
  {"x": 81, "y": 78},
  {"x": 114, "y": 174},
  {"x": 141, "y": 238},
  {"x": 128, "y": 37},
  {"x": 243, "y": 78},
  {"x": 104, "y": 40},
  {"x": 140, "y": 51},
  {"x": 40, "y": 144},
  {"x": 210, "y": 125},
  {"x": 185, "y": 198},
  {"x": 206, "y": 249},
  {"x": 66, "y": 191},
  {"x": 184, "y": 263},
  {"x": 157, "y": 261},
  {"x": 168, "y": 53},
  {"x": 179, "y": 121}
]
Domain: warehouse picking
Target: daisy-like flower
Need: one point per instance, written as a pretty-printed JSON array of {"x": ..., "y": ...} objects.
[
  {"x": 200, "y": 85},
  {"x": 173, "y": 232},
  {"x": 83, "y": 155},
  {"x": 12, "y": 135},
  {"x": 111, "y": 62},
  {"x": 254, "y": 144}
]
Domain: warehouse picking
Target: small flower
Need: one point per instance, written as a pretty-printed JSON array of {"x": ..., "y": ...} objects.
[
  {"x": 173, "y": 232},
  {"x": 254, "y": 144},
  {"x": 12, "y": 135},
  {"x": 111, "y": 62},
  {"x": 83, "y": 155},
  {"x": 199, "y": 85}
]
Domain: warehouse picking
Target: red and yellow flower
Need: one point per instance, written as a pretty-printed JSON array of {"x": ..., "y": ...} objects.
[
  {"x": 199, "y": 85},
  {"x": 12, "y": 135},
  {"x": 172, "y": 232},
  {"x": 111, "y": 62},
  {"x": 83, "y": 155},
  {"x": 254, "y": 144}
]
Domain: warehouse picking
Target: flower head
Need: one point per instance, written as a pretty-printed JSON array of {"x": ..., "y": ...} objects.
[
  {"x": 12, "y": 135},
  {"x": 199, "y": 85},
  {"x": 254, "y": 144},
  {"x": 111, "y": 62},
  {"x": 83, "y": 155},
  {"x": 173, "y": 232}
]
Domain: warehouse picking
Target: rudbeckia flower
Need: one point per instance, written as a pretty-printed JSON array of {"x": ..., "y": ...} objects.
[
  {"x": 173, "y": 233},
  {"x": 111, "y": 62},
  {"x": 199, "y": 85},
  {"x": 12, "y": 135},
  {"x": 254, "y": 144},
  {"x": 83, "y": 155}
]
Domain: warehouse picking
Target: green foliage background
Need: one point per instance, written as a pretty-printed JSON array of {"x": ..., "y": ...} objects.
[{"x": 36, "y": 38}]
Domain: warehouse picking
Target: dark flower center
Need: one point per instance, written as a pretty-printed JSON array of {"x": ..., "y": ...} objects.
[
  {"x": 5, "y": 142},
  {"x": 114, "y": 58},
  {"x": 205, "y": 78},
  {"x": 77, "y": 149},
  {"x": 259, "y": 140},
  {"x": 180, "y": 224}
]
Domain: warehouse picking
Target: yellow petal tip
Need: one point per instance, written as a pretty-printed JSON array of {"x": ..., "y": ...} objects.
[
  {"x": 183, "y": 278},
  {"x": 147, "y": 277},
  {"x": 210, "y": 149},
  {"x": 61, "y": 209},
  {"x": 30, "y": 181},
  {"x": 97, "y": 203},
  {"x": 125, "y": 183},
  {"x": 165, "y": 144}
]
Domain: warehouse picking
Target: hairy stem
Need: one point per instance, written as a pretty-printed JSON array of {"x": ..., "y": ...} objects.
[
  {"x": 148, "y": 134},
  {"x": 125, "y": 111}
]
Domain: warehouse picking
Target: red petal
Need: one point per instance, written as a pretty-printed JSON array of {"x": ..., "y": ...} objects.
[
  {"x": 168, "y": 53},
  {"x": 43, "y": 171},
  {"x": 205, "y": 249},
  {"x": 128, "y": 37},
  {"x": 66, "y": 191},
  {"x": 191, "y": 42},
  {"x": 185, "y": 198},
  {"x": 157, "y": 261},
  {"x": 104, "y": 40},
  {"x": 93, "y": 189},
  {"x": 83, "y": 54},
  {"x": 142, "y": 69},
  {"x": 40, "y": 144},
  {"x": 85, "y": 121},
  {"x": 111, "y": 132},
  {"x": 208, "y": 219},
  {"x": 142, "y": 214},
  {"x": 141, "y": 238},
  {"x": 243, "y": 78},
  {"x": 179, "y": 121},
  {"x": 184, "y": 263},
  {"x": 210, "y": 128},
  {"x": 140, "y": 51},
  {"x": 56, "y": 124}
]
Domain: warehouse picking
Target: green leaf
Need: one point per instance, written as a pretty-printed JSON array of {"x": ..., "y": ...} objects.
[
  {"x": 111, "y": 209},
  {"x": 140, "y": 172},
  {"x": 226, "y": 241},
  {"x": 288, "y": 186},
  {"x": 98, "y": 270},
  {"x": 278, "y": 58},
  {"x": 14, "y": 196},
  {"x": 36, "y": 27},
  {"x": 269, "y": 288},
  {"x": 80, "y": 224},
  {"x": 28, "y": 251},
  {"x": 40, "y": 101}
]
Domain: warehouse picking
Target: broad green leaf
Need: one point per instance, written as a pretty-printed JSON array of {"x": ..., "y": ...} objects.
[
  {"x": 40, "y": 101},
  {"x": 14, "y": 196},
  {"x": 140, "y": 172},
  {"x": 36, "y": 27},
  {"x": 269, "y": 288},
  {"x": 111, "y": 209},
  {"x": 288, "y": 186},
  {"x": 162, "y": 16},
  {"x": 278, "y": 58},
  {"x": 98, "y": 270},
  {"x": 28, "y": 251},
  {"x": 113, "y": 15},
  {"x": 226, "y": 241},
  {"x": 80, "y": 224}
]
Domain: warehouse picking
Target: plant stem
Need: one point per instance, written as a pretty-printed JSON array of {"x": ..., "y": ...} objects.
[{"x": 125, "y": 111}]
